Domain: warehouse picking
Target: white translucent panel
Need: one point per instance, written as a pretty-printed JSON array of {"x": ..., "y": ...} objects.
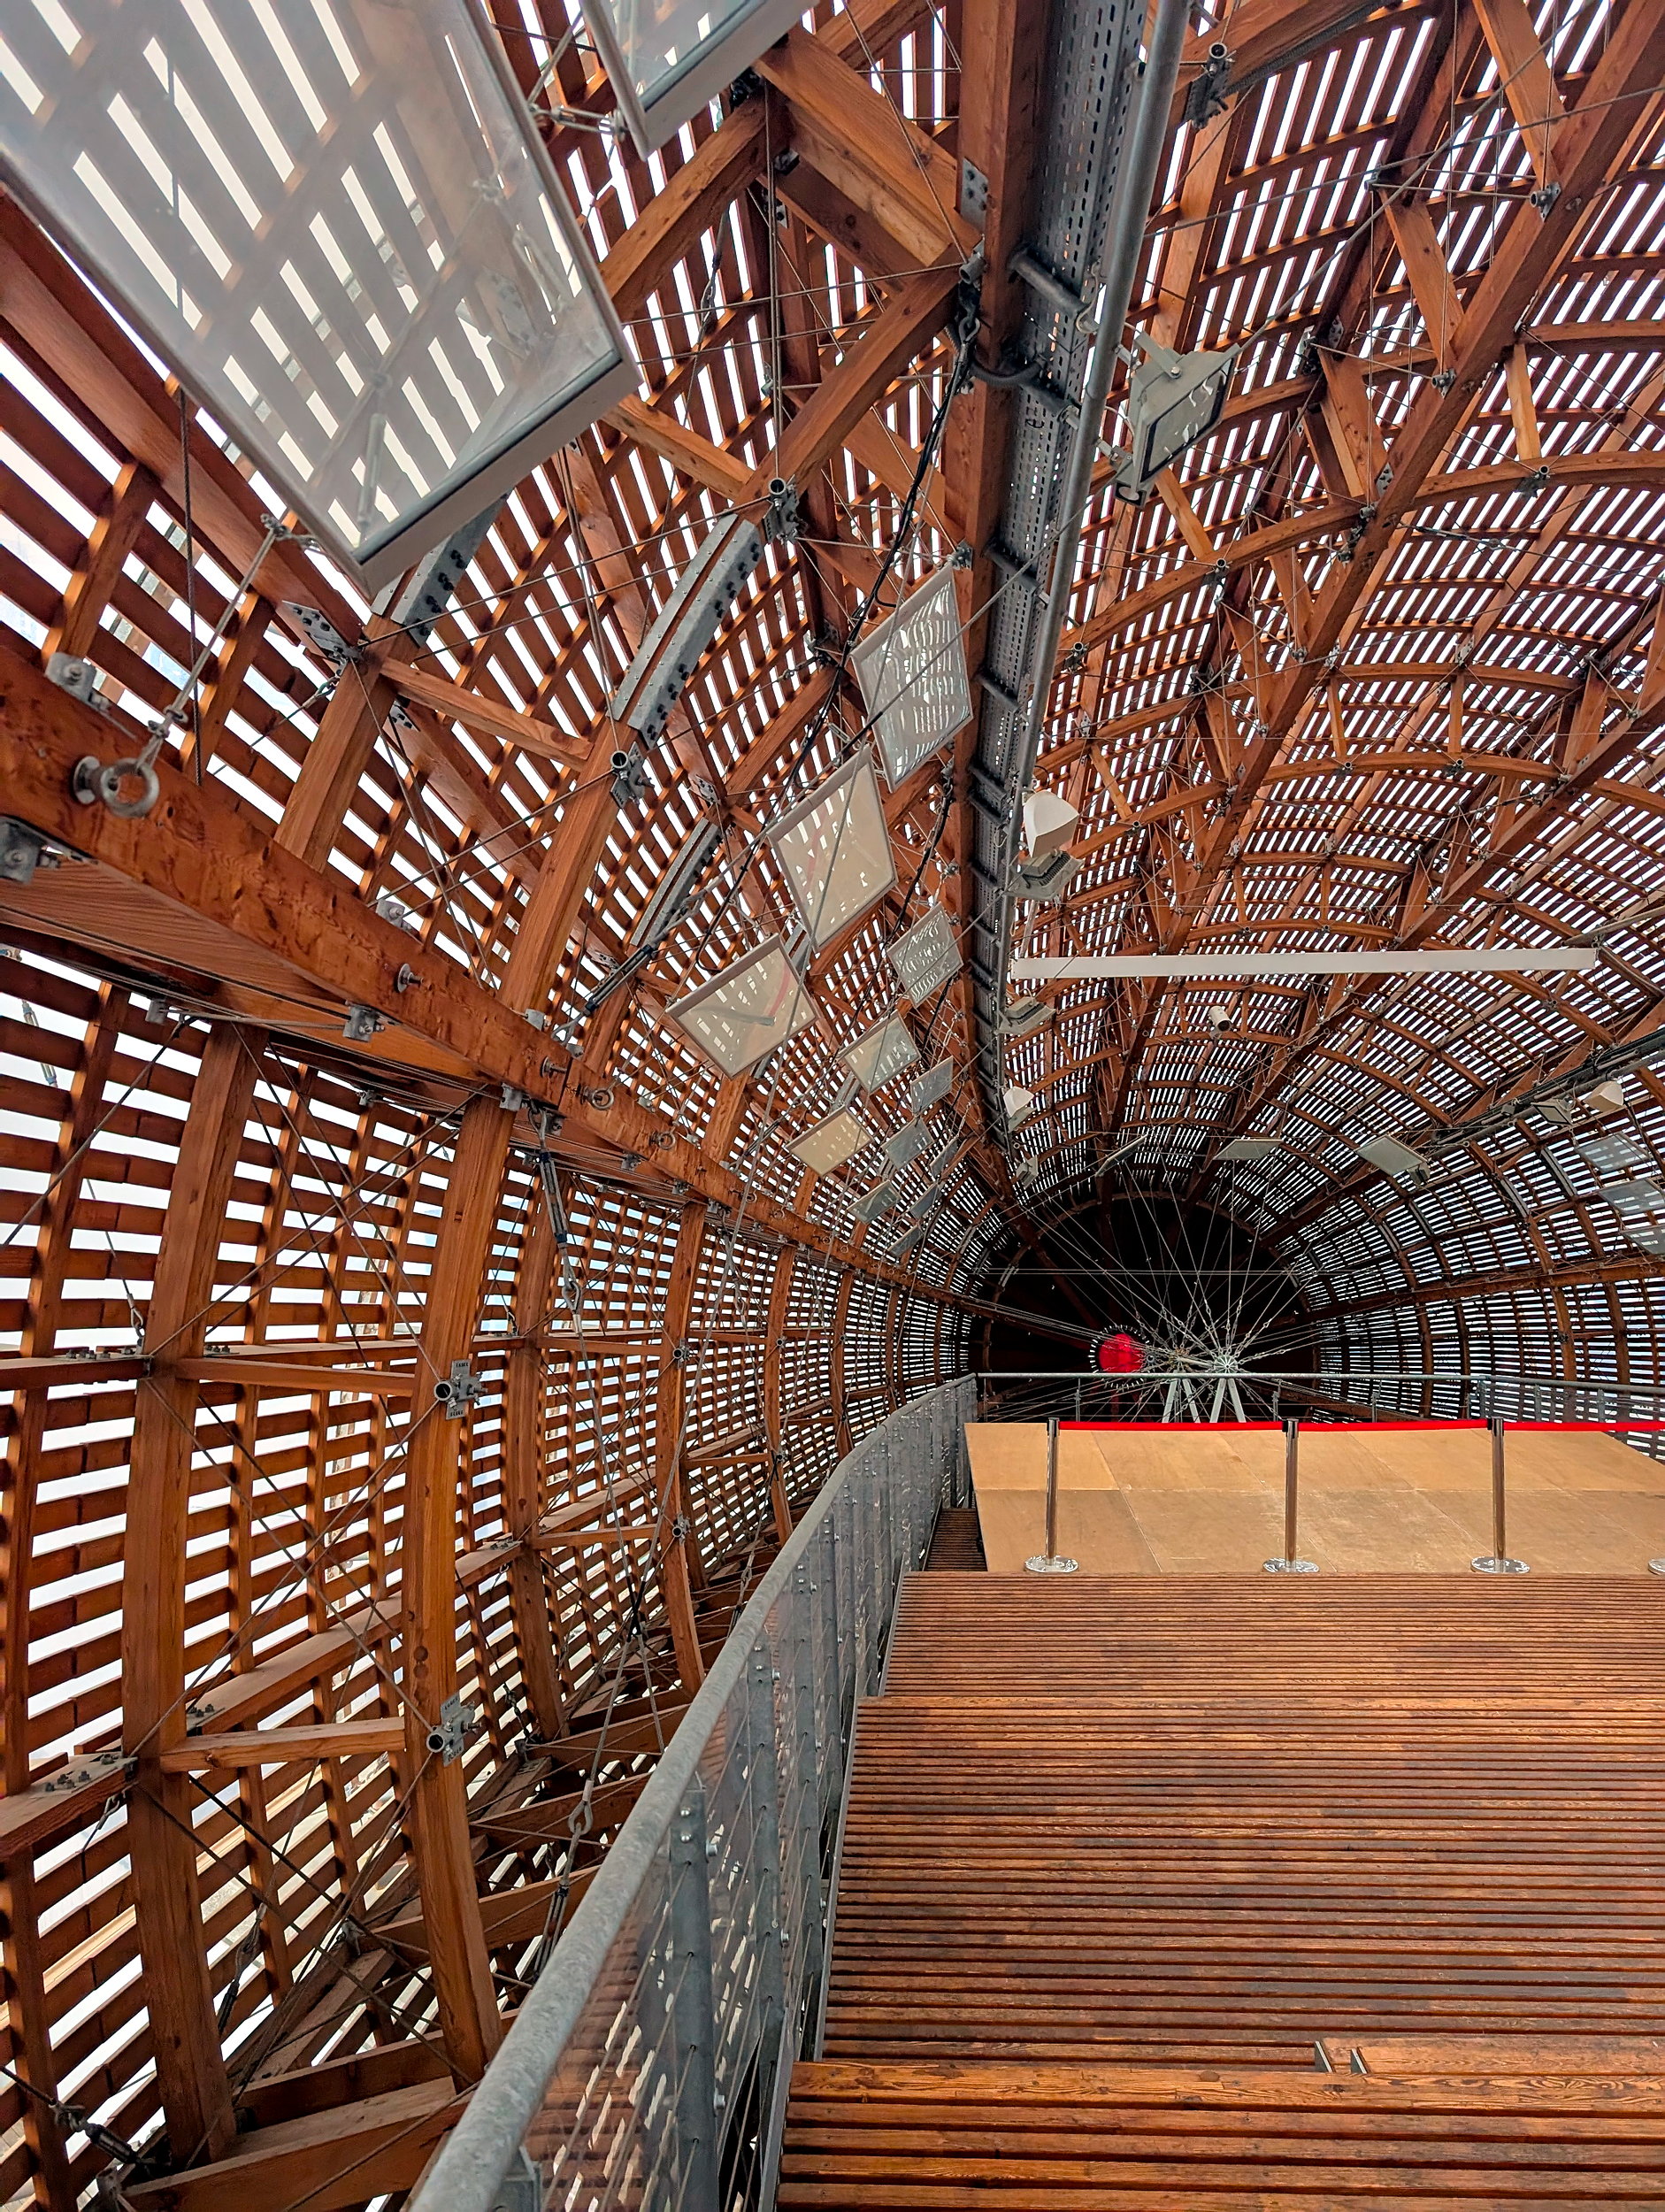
[
  {"x": 833, "y": 1142},
  {"x": 874, "y": 1202},
  {"x": 912, "y": 674},
  {"x": 834, "y": 850},
  {"x": 886, "y": 1050},
  {"x": 747, "y": 1011},
  {"x": 1250, "y": 1148},
  {"x": 335, "y": 221},
  {"x": 666, "y": 59},
  {"x": 925, "y": 956},
  {"x": 911, "y": 1243},
  {"x": 1392, "y": 1157},
  {"x": 1640, "y": 1207},
  {"x": 910, "y": 1141},
  {"x": 934, "y": 1086}
]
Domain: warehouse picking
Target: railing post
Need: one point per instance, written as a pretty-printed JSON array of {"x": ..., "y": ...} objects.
[
  {"x": 1290, "y": 1565},
  {"x": 1049, "y": 1563},
  {"x": 1497, "y": 1561},
  {"x": 693, "y": 2006},
  {"x": 768, "y": 1866}
]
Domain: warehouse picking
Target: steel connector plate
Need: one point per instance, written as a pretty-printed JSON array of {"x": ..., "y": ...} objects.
[
  {"x": 1291, "y": 1567},
  {"x": 1500, "y": 1567},
  {"x": 1041, "y": 1565}
]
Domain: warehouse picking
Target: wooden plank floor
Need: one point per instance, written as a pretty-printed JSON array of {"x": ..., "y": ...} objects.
[{"x": 1129, "y": 1834}]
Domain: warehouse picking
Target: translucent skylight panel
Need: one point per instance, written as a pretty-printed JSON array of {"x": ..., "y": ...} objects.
[
  {"x": 338, "y": 224},
  {"x": 834, "y": 850},
  {"x": 925, "y": 956},
  {"x": 884, "y": 1051},
  {"x": 833, "y": 1142},
  {"x": 911, "y": 669},
  {"x": 756, "y": 1003}
]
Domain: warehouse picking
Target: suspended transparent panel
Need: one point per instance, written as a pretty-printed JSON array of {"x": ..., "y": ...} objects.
[
  {"x": 833, "y": 1142},
  {"x": 911, "y": 670},
  {"x": 925, "y": 956},
  {"x": 749, "y": 1010},
  {"x": 910, "y": 1141},
  {"x": 932, "y": 1086},
  {"x": 873, "y": 1204},
  {"x": 834, "y": 850},
  {"x": 666, "y": 59},
  {"x": 336, "y": 221},
  {"x": 884, "y": 1051}
]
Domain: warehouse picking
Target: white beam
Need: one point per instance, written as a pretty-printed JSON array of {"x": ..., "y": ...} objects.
[{"x": 1436, "y": 960}]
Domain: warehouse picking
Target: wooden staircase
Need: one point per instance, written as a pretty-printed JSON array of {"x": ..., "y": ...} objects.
[{"x": 1178, "y": 1894}]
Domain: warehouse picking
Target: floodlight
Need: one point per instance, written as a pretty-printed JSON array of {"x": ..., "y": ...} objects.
[
  {"x": 1022, "y": 1016},
  {"x": 1394, "y": 1158},
  {"x": 833, "y": 1142},
  {"x": 834, "y": 850},
  {"x": 749, "y": 1010},
  {"x": 1025, "y": 1171},
  {"x": 668, "y": 61},
  {"x": 1173, "y": 399},
  {"x": 874, "y": 1202},
  {"x": 674, "y": 893},
  {"x": 685, "y": 625},
  {"x": 1042, "y": 880},
  {"x": 884, "y": 1051},
  {"x": 934, "y": 1086},
  {"x": 1250, "y": 1148},
  {"x": 338, "y": 225},
  {"x": 910, "y": 1141},
  {"x": 911, "y": 669},
  {"x": 926, "y": 956},
  {"x": 1048, "y": 823},
  {"x": 1019, "y": 1104}
]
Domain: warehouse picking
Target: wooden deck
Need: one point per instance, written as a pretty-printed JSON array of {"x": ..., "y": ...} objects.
[
  {"x": 1123, "y": 1854},
  {"x": 1375, "y": 1499}
]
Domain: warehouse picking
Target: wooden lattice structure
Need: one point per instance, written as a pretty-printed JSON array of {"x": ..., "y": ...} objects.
[{"x": 1381, "y": 663}]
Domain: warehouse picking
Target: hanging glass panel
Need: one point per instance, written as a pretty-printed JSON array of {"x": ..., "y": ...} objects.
[
  {"x": 749, "y": 1010},
  {"x": 833, "y": 1142},
  {"x": 911, "y": 670},
  {"x": 925, "y": 956},
  {"x": 666, "y": 59},
  {"x": 834, "y": 850},
  {"x": 886, "y": 1050},
  {"x": 337, "y": 222}
]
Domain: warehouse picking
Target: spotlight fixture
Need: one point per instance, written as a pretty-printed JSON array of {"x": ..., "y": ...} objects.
[
  {"x": 1173, "y": 399},
  {"x": 685, "y": 625},
  {"x": 1395, "y": 1158},
  {"x": 1049, "y": 823},
  {"x": 1022, "y": 1016},
  {"x": 1040, "y": 881}
]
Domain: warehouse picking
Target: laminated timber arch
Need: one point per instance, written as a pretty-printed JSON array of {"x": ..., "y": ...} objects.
[{"x": 251, "y": 1922}]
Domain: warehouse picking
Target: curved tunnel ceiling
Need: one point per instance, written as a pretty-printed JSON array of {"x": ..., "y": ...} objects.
[{"x": 356, "y": 1049}]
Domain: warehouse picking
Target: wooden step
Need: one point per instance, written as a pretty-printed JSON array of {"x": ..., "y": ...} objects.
[{"x": 1032, "y": 2139}]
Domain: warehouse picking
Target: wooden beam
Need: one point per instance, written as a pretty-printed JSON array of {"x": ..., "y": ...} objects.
[
  {"x": 324, "y": 2162},
  {"x": 274, "y": 1374},
  {"x": 656, "y": 431},
  {"x": 285, "y": 1747},
  {"x": 417, "y": 680}
]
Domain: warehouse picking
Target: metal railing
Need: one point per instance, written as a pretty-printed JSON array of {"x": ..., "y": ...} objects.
[
  {"x": 649, "y": 2064},
  {"x": 1342, "y": 1393}
]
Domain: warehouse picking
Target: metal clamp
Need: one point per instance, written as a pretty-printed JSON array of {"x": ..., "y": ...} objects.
[
  {"x": 456, "y": 1721},
  {"x": 463, "y": 1388}
]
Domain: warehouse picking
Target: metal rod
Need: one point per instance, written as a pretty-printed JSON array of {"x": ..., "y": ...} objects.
[
  {"x": 1291, "y": 1475},
  {"x": 1499, "y": 1563},
  {"x": 1052, "y": 1490},
  {"x": 1290, "y": 1565}
]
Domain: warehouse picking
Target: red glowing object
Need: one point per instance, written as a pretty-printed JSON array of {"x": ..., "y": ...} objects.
[{"x": 1118, "y": 1355}]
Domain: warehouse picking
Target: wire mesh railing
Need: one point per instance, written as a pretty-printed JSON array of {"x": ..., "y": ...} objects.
[{"x": 647, "y": 2066}]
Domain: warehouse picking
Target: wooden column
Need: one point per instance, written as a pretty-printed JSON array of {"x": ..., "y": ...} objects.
[
  {"x": 779, "y": 1299},
  {"x": 669, "y": 1484},
  {"x": 523, "y": 1477},
  {"x": 190, "y": 2074}
]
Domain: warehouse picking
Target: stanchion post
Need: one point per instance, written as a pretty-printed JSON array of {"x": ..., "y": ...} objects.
[
  {"x": 1498, "y": 1561},
  {"x": 1290, "y": 1565},
  {"x": 1049, "y": 1563}
]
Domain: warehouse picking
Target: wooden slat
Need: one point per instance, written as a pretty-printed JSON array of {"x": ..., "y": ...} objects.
[{"x": 280, "y": 1747}]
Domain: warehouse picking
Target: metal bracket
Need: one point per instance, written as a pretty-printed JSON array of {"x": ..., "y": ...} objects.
[
  {"x": 630, "y": 776},
  {"x": 461, "y": 1391},
  {"x": 22, "y": 850},
  {"x": 1205, "y": 95},
  {"x": 361, "y": 1024},
  {"x": 1545, "y": 197},
  {"x": 322, "y": 634},
  {"x": 973, "y": 194},
  {"x": 450, "y": 1735},
  {"x": 79, "y": 678}
]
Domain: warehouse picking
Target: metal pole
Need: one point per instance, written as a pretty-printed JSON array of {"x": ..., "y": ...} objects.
[
  {"x": 1498, "y": 1561},
  {"x": 1049, "y": 1563},
  {"x": 1289, "y": 1564}
]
